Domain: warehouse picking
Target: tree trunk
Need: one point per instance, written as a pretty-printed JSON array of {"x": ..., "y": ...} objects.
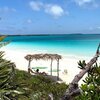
[{"x": 73, "y": 89}]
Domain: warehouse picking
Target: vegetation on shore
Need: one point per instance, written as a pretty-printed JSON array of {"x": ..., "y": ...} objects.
[
  {"x": 91, "y": 87},
  {"x": 20, "y": 85}
]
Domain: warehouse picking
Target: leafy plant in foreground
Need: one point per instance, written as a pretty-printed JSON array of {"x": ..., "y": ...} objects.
[
  {"x": 91, "y": 86},
  {"x": 20, "y": 85}
]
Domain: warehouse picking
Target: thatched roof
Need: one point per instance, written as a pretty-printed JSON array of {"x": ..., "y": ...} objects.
[{"x": 46, "y": 56}]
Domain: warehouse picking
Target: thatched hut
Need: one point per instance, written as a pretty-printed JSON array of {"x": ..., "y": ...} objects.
[{"x": 46, "y": 56}]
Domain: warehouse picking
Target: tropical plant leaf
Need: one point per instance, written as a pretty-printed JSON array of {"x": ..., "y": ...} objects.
[{"x": 2, "y": 38}]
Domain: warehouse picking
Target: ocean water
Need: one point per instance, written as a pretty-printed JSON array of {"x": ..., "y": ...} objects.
[{"x": 74, "y": 44}]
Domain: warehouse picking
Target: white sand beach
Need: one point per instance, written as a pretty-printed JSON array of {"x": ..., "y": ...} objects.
[{"x": 67, "y": 63}]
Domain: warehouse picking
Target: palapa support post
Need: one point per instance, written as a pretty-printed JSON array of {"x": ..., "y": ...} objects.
[
  {"x": 29, "y": 66},
  {"x": 73, "y": 89},
  {"x": 57, "y": 69},
  {"x": 51, "y": 67}
]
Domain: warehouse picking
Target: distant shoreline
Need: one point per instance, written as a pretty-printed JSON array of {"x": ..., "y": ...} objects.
[{"x": 47, "y": 34}]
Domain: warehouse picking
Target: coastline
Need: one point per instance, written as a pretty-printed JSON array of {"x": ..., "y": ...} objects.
[
  {"x": 68, "y": 62},
  {"x": 49, "y": 34}
]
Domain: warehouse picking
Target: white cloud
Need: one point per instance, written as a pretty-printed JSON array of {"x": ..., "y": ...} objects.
[
  {"x": 51, "y": 9},
  {"x": 29, "y": 21},
  {"x": 7, "y": 9},
  {"x": 98, "y": 27},
  {"x": 87, "y": 3},
  {"x": 54, "y": 10},
  {"x": 35, "y": 5},
  {"x": 94, "y": 28},
  {"x": 82, "y": 2}
]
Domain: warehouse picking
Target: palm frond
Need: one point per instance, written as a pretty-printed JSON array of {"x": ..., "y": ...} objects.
[
  {"x": 4, "y": 44},
  {"x": 2, "y": 38}
]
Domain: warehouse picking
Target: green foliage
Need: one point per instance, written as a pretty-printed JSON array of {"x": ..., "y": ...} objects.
[
  {"x": 39, "y": 96},
  {"x": 81, "y": 64},
  {"x": 2, "y": 38},
  {"x": 38, "y": 86},
  {"x": 58, "y": 90},
  {"x": 91, "y": 86},
  {"x": 20, "y": 85},
  {"x": 2, "y": 43},
  {"x": 7, "y": 72}
]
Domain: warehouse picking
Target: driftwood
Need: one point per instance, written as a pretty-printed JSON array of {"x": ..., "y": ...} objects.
[{"x": 73, "y": 89}]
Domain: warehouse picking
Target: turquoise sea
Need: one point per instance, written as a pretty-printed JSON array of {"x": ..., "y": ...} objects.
[{"x": 75, "y": 44}]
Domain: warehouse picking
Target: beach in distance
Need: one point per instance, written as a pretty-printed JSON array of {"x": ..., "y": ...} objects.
[
  {"x": 50, "y": 49},
  {"x": 72, "y": 48}
]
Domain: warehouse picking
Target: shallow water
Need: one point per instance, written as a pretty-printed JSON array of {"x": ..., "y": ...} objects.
[{"x": 74, "y": 44}]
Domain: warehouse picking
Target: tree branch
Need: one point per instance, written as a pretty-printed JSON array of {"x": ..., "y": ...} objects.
[{"x": 73, "y": 89}]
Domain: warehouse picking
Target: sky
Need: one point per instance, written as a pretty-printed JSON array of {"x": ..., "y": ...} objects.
[{"x": 49, "y": 16}]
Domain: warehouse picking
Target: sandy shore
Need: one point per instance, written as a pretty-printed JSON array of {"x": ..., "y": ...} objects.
[{"x": 67, "y": 63}]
